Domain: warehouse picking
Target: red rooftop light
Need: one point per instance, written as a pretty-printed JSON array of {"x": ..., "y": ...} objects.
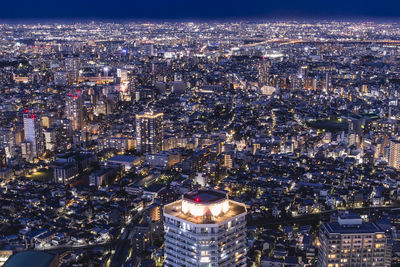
[
  {"x": 197, "y": 199},
  {"x": 26, "y": 111}
]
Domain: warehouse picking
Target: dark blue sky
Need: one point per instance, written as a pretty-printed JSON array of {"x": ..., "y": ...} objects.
[{"x": 200, "y": 9}]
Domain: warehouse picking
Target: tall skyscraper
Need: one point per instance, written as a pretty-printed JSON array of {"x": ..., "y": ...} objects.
[
  {"x": 205, "y": 228},
  {"x": 264, "y": 69},
  {"x": 352, "y": 242},
  {"x": 33, "y": 133},
  {"x": 7, "y": 140},
  {"x": 394, "y": 153},
  {"x": 74, "y": 109},
  {"x": 72, "y": 65},
  {"x": 149, "y": 132}
]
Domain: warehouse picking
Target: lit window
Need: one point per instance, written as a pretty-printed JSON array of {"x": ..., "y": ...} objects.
[{"x": 205, "y": 259}]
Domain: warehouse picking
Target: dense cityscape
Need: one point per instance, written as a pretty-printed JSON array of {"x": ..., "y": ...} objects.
[{"x": 247, "y": 143}]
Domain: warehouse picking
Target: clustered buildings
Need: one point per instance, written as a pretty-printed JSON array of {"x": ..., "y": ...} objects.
[{"x": 200, "y": 144}]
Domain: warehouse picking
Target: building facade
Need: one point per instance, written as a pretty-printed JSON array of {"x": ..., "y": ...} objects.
[
  {"x": 74, "y": 109},
  {"x": 205, "y": 228},
  {"x": 33, "y": 133},
  {"x": 149, "y": 132},
  {"x": 352, "y": 242},
  {"x": 394, "y": 153}
]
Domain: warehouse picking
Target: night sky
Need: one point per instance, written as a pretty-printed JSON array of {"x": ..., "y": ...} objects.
[{"x": 203, "y": 9}]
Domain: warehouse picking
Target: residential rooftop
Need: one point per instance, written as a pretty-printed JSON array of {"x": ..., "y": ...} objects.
[{"x": 364, "y": 228}]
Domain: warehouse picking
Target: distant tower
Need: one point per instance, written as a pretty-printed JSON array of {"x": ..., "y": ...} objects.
[
  {"x": 33, "y": 133},
  {"x": 72, "y": 68},
  {"x": 264, "y": 69},
  {"x": 8, "y": 140},
  {"x": 149, "y": 132},
  {"x": 74, "y": 109}
]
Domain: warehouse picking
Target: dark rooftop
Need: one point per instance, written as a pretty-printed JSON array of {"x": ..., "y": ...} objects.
[
  {"x": 124, "y": 158},
  {"x": 335, "y": 227},
  {"x": 205, "y": 196},
  {"x": 30, "y": 258}
]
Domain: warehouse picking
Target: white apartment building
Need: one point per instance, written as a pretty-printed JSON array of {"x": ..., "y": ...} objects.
[{"x": 205, "y": 228}]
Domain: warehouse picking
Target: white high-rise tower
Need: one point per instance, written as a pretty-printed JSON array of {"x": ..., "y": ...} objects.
[
  {"x": 205, "y": 228},
  {"x": 33, "y": 132}
]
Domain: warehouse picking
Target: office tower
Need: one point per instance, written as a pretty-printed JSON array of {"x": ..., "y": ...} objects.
[
  {"x": 352, "y": 242},
  {"x": 149, "y": 132},
  {"x": 264, "y": 69},
  {"x": 74, "y": 109},
  {"x": 72, "y": 68},
  {"x": 205, "y": 228},
  {"x": 7, "y": 140},
  {"x": 33, "y": 133},
  {"x": 394, "y": 153}
]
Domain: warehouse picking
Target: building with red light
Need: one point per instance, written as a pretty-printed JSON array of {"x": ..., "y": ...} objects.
[
  {"x": 74, "y": 109},
  {"x": 33, "y": 135},
  {"x": 205, "y": 228}
]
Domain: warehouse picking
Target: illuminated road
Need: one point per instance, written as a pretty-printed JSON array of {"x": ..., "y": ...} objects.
[
  {"x": 72, "y": 247},
  {"x": 287, "y": 42}
]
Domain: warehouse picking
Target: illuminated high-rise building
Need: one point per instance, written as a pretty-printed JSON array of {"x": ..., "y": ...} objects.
[
  {"x": 264, "y": 69},
  {"x": 149, "y": 132},
  {"x": 352, "y": 242},
  {"x": 74, "y": 109},
  {"x": 205, "y": 228},
  {"x": 7, "y": 140},
  {"x": 72, "y": 65},
  {"x": 33, "y": 133},
  {"x": 394, "y": 154}
]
